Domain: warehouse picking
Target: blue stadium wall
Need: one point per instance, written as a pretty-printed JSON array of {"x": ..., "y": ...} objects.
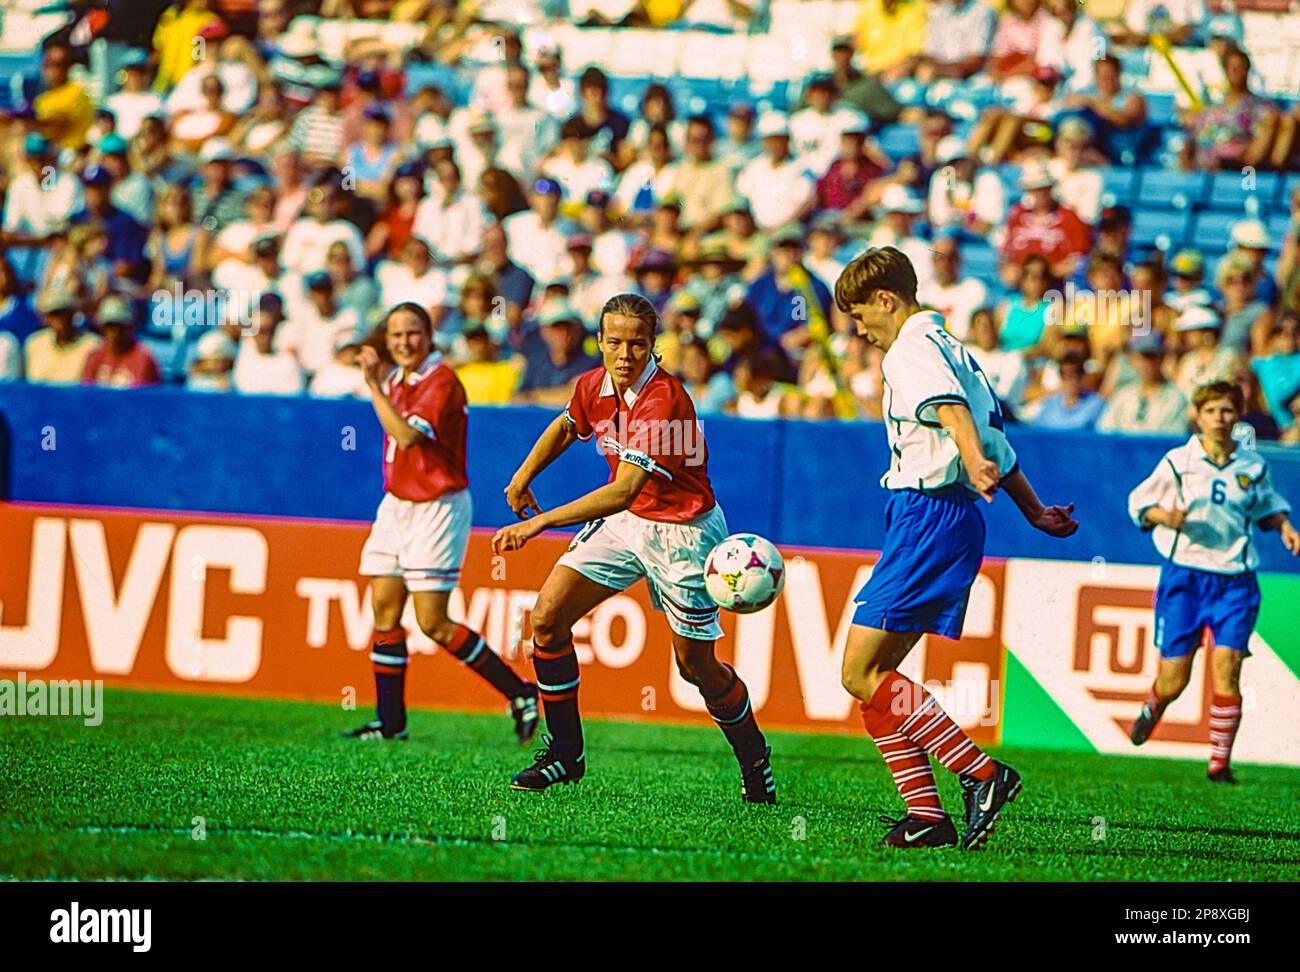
[{"x": 800, "y": 483}]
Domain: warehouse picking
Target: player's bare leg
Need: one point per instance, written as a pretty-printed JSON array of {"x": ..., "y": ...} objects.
[
  {"x": 727, "y": 699},
  {"x": 468, "y": 646},
  {"x": 565, "y": 597},
  {"x": 1225, "y": 711},
  {"x": 1171, "y": 678},
  {"x": 388, "y": 657},
  {"x": 908, "y": 727}
]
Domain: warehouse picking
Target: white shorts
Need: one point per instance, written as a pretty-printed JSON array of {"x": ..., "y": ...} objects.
[
  {"x": 423, "y": 543},
  {"x": 619, "y": 550}
]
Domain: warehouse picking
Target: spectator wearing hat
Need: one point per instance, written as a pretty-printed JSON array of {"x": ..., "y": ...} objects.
[
  {"x": 1117, "y": 115},
  {"x": 311, "y": 235},
  {"x": 317, "y": 132},
  {"x": 56, "y": 354},
  {"x": 1114, "y": 231},
  {"x": 536, "y": 237},
  {"x": 738, "y": 147},
  {"x": 899, "y": 209},
  {"x": 845, "y": 189},
  {"x": 234, "y": 243},
  {"x": 554, "y": 355},
  {"x": 120, "y": 361},
  {"x": 1073, "y": 405},
  {"x": 525, "y": 132},
  {"x": 39, "y": 199},
  {"x": 948, "y": 292},
  {"x": 1040, "y": 224},
  {"x": 475, "y": 141},
  {"x": 1234, "y": 130},
  {"x": 891, "y": 36},
  {"x": 1187, "y": 274},
  {"x": 363, "y": 97},
  {"x": 212, "y": 363},
  {"x": 1251, "y": 241},
  {"x": 962, "y": 197},
  {"x": 450, "y": 219},
  {"x": 1071, "y": 41},
  {"x": 136, "y": 100},
  {"x": 1078, "y": 184},
  {"x": 317, "y": 323},
  {"x": 132, "y": 193},
  {"x": 1204, "y": 359},
  {"x": 655, "y": 271},
  {"x": 573, "y": 166},
  {"x": 713, "y": 281},
  {"x": 1151, "y": 404},
  {"x": 371, "y": 160},
  {"x": 776, "y": 184},
  {"x": 701, "y": 182},
  {"x": 604, "y": 127},
  {"x": 957, "y": 38},
  {"x": 63, "y": 111},
  {"x": 1247, "y": 320},
  {"x": 262, "y": 367},
  {"x": 126, "y": 237},
  {"x": 489, "y": 377},
  {"x": 786, "y": 295}
]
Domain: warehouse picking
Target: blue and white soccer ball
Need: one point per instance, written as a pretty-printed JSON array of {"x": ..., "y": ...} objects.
[{"x": 744, "y": 573}]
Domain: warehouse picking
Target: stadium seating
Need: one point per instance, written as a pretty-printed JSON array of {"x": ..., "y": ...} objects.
[
  {"x": 1164, "y": 188},
  {"x": 1165, "y": 229}
]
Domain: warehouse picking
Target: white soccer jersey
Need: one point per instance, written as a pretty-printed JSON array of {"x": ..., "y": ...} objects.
[
  {"x": 924, "y": 368},
  {"x": 1223, "y": 504}
]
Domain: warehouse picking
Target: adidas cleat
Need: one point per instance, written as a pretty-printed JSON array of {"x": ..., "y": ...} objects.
[
  {"x": 756, "y": 782},
  {"x": 919, "y": 832},
  {"x": 1143, "y": 725},
  {"x": 984, "y": 800},
  {"x": 1223, "y": 775},
  {"x": 549, "y": 767},
  {"x": 523, "y": 710},
  {"x": 375, "y": 730}
]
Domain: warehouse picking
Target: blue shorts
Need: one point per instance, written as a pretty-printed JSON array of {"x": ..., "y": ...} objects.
[
  {"x": 934, "y": 544},
  {"x": 1188, "y": 601}
]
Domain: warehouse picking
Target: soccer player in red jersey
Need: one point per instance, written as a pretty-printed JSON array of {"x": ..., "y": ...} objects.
[
  {"x": 656, "y": 519},
  {"x": 422, "y": 526}
]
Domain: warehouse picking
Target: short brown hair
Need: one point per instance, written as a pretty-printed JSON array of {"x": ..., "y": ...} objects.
[
  {"x": 880, "y": 268},
  {"x": 1219, "y": 389}
]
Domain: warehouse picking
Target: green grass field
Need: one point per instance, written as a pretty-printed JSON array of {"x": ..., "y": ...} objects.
[{"x": 282, "y": 797}]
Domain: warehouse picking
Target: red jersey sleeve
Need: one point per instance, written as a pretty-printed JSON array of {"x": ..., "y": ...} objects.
[
  {"x": 662, "y": 432},
  {"x": 578, "y": 412}
]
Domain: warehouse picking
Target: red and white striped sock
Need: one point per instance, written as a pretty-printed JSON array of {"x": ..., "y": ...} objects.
[
  {"x": 908, "y": 764},
  {"x": 1225, "y": 717},
  {"x": 926, "y": 724}
]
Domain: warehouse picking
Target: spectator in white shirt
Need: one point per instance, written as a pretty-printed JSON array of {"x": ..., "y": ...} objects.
[
  {"x": 1071, "y": 42},
  {"x": 311, "y": 333},
  {"x": 777, "y": 185},
  {"x": 815, "y": 131},
  {"x": 450, "y": 219},
  {"x": 414, "y": 277},
  {"x": 1077, "y": 185},
  {"x": 340, "y": 377},
  {"x": 948, "y": 293},
  {"x": 262, "y": 368},
  {"x": 549, "y": 90},
  {"x": 536, "y": 237},
  {"x": 825, "y": 237},
  {"x": 40, "y": 198},
  {"x": 958, "y": 34},
  {"x": 309, "y": 238},
  {"x": 899, "y": 208},
  {"x": 573, "y": 166},
  {"x": 1006, "y": 370},
  {"x": 136, "y": 100},
  {"x": 239, "y": 83},
  {"x": 525, "y": 132},
  {"x": 962, "y": 196}
]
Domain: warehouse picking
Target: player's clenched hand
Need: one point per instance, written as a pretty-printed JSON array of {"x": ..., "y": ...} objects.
[
  {"x": 371, "y": 366},
  {"x": 513, "y": 537},
  {"x": 1291, "y": 539},
  {"x": 521, "y": 500},
  {"x": 984, "y": 477},
  {"x": 1056, "y": 521}
]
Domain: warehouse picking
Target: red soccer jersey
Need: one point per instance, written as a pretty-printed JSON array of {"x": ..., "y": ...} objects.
[
  {"x": 432, "y": 400},
  {"x": 653, "y": 426}
]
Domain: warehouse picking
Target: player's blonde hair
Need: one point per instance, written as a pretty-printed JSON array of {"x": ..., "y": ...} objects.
[{"x": 879, "y": 268}]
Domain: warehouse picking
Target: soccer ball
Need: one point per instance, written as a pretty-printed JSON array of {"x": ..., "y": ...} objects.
[{"x": 744, "y": 573}]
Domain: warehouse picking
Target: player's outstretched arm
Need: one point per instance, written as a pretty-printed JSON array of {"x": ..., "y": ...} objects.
[
  {"x": 613, "y": 497},
  {"x": 1282, "y": 523},
  {"x": 1057, "y": 521},
  {"x": 398, "y": 428},
  {"x": 982, "y": 471},
  {"x": 550, "y": 445}
]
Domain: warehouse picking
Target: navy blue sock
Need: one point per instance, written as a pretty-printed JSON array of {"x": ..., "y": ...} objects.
[
  {"x": 557, "y": 683},
  {"x": 388, "y": 656}
]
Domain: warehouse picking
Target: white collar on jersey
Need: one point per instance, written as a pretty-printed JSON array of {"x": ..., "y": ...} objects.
[
  {"x": 1198, "y": 452},
  {"x": 420, "y": 373},
  {"x": 629, "y": 396},
  {"x": 920, "y": 320}
]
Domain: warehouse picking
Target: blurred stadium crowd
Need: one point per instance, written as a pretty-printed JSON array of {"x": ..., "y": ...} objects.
[{"x": 230, "y": 194}]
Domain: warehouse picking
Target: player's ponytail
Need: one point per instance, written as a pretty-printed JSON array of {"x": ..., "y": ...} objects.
[{"x": 632, "y": 305}]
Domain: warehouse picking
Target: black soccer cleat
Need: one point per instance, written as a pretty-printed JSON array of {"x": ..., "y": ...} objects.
[
  {"x": 1143, "y": 725},
  {"x": 756, "y": 782},
  {"x": 374, "y": 729},
  {"x": 548, "y": 768},
  {"x": 523, "y": 710},
  {"x": 984, "y": 800},
  {"x": 1222, "y": 775},
  {"x": 919, "y": 832}
]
